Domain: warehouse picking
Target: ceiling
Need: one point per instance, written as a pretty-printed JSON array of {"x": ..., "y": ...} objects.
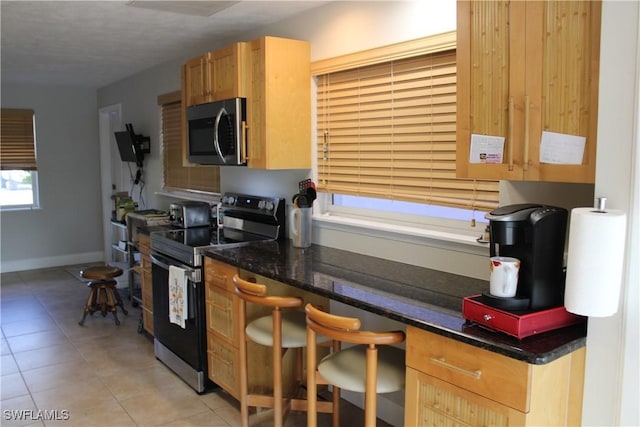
[{"x": 95, "y": 43}]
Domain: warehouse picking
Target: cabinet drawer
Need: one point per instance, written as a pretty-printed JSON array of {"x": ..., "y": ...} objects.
[
  {"x": 222, "y": 362},
  {"x": 489, "y": 374},
  {"x": 221, "y": 307},
  {"x": 219, "y": 274}
]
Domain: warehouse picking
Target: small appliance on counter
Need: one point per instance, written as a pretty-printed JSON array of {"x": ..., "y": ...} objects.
[
  {"x": 189, "y": 214},
  {"x": 534, "y": 235}
]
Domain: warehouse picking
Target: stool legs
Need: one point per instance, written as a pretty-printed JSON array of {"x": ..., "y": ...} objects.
[
  {"x": 277, "y": 368},
  {"x": 91, "y": 302},
  {"x": 103, "y": 296}
]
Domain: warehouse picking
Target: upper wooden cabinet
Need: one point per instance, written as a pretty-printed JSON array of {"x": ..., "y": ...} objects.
[
  {"x": 279, "y": 104},
  {"x": 215, "y": 75},
  {"x": 525, "y": 67}
]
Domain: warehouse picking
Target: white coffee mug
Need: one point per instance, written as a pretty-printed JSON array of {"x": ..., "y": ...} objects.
[{"x": 503, "y": 281}]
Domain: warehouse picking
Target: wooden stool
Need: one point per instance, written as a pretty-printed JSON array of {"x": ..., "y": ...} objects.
[
  {"x": 371, "y": 366},
  {"x": 103, "y": 294}
]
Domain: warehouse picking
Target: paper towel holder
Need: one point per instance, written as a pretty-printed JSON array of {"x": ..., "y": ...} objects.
[{"x": 593, "y": 285}]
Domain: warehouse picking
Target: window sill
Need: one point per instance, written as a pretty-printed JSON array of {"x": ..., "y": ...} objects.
[
  {"x": 19, "y": 208},
  {"x": 446, "y": 239}
]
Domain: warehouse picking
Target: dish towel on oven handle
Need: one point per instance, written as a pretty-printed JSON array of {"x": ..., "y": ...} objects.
[{"x": 178, "y": 311}]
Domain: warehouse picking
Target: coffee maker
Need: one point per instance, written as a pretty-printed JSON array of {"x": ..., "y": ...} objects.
[{"x": 535, "y": 234}]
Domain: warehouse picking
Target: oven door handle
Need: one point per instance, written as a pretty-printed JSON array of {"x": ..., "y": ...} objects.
[{"x": 193, "y": 274}]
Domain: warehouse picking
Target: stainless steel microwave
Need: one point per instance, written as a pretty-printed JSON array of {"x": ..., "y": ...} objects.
[{"x": 216, "y": 133}]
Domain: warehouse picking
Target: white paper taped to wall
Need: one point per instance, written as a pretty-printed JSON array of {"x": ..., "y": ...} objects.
[
  {"x": 561, "y": 149},
  {"x": 486, "y": 149}
]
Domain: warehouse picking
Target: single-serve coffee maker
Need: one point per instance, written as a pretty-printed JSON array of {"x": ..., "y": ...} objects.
[{"x": 535, "y": 235}]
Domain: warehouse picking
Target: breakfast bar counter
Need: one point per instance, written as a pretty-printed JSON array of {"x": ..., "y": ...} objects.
[{"x": 419, "y": 297}]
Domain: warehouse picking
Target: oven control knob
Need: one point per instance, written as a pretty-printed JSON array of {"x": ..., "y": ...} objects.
[
  {"x": 228, "y": 200},
  {"x": 261, "y": 204},
  {"x": 269, "y": 206}
]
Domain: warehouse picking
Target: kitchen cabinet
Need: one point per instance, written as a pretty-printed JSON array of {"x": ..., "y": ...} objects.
[
  {"x": 279, "y": 104},
  {"x": 453, "y": 383},
  {"x": 523, "y": 68},
  {"x": 223, "y": 355},
  {"x": 146, "y": 290},
  {"x": 216, "y": 75},
  {"x": 223, "y": 333}
]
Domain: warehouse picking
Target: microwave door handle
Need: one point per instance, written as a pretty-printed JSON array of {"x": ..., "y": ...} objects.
[{"x": 216, "y": 142}]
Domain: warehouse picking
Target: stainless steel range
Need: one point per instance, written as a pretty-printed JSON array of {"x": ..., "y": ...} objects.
[{"x": 246, "y": 219}]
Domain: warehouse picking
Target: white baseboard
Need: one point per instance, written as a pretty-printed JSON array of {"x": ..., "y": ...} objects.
[{"x": 48, "y": 262}]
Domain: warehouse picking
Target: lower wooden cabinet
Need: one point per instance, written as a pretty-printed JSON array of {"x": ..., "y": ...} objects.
[
  {"x": 450, "y": 383},
  {"x": 223, "y": 331},
  {"x": 146, "y": 289}
]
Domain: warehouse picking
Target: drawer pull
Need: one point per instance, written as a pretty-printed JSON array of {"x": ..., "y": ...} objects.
[{"x": 441, "y": 361}]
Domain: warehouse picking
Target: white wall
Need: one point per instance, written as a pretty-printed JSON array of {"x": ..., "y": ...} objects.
[
  {"x": 67, "y": 229},
  {"x": 612, "y": 376}
]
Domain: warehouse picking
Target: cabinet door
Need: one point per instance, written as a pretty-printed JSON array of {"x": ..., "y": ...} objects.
[
  {"x": 196, "y": 84},
  {"x": 222, "y": 312},
  {"x": 223, "y": 365},
  {"x": 227, "y": 72},
  {"x": 280, "y": 96},
  {"x": 490, "y": 84},
  {"x": 563, "y": 56},
  {"x": 525, "y": 68},
  {"x": 432, "y": 402}
]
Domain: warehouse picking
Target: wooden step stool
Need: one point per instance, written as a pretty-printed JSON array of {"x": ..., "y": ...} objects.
[{"x": 103, "y": 294}]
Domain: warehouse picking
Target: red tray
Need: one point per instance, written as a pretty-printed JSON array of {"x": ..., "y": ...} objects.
[{"x": 517, "y": 325}]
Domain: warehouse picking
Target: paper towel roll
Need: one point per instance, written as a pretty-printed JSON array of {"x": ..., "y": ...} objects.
[{"x": 595, "y": 260}]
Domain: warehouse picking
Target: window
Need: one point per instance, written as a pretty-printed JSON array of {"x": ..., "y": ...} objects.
[
  {"x": 176, "y": 175},
  {"x": 18, "y": 166},
  {"x": 386, "y": 140}
]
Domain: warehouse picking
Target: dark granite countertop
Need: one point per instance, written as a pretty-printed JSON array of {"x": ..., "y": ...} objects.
[{"x": 420, "y": 297}]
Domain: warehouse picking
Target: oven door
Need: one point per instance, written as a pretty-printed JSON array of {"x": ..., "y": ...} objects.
[{"x": 182, "y": 349}]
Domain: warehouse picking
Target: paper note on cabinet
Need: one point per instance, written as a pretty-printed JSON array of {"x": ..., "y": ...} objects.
[
  {"x": 561, "y": 149},
  {"x": 486, "y": 149}
]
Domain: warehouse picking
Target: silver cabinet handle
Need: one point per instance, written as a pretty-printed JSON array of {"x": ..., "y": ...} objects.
[{"x": 441, "y": 361}]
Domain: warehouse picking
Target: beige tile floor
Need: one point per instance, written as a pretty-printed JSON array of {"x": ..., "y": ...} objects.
[{"x": 55, "y": 372}]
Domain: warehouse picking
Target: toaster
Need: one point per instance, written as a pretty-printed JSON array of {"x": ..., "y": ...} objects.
[{"x": 190, "y": 214}]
